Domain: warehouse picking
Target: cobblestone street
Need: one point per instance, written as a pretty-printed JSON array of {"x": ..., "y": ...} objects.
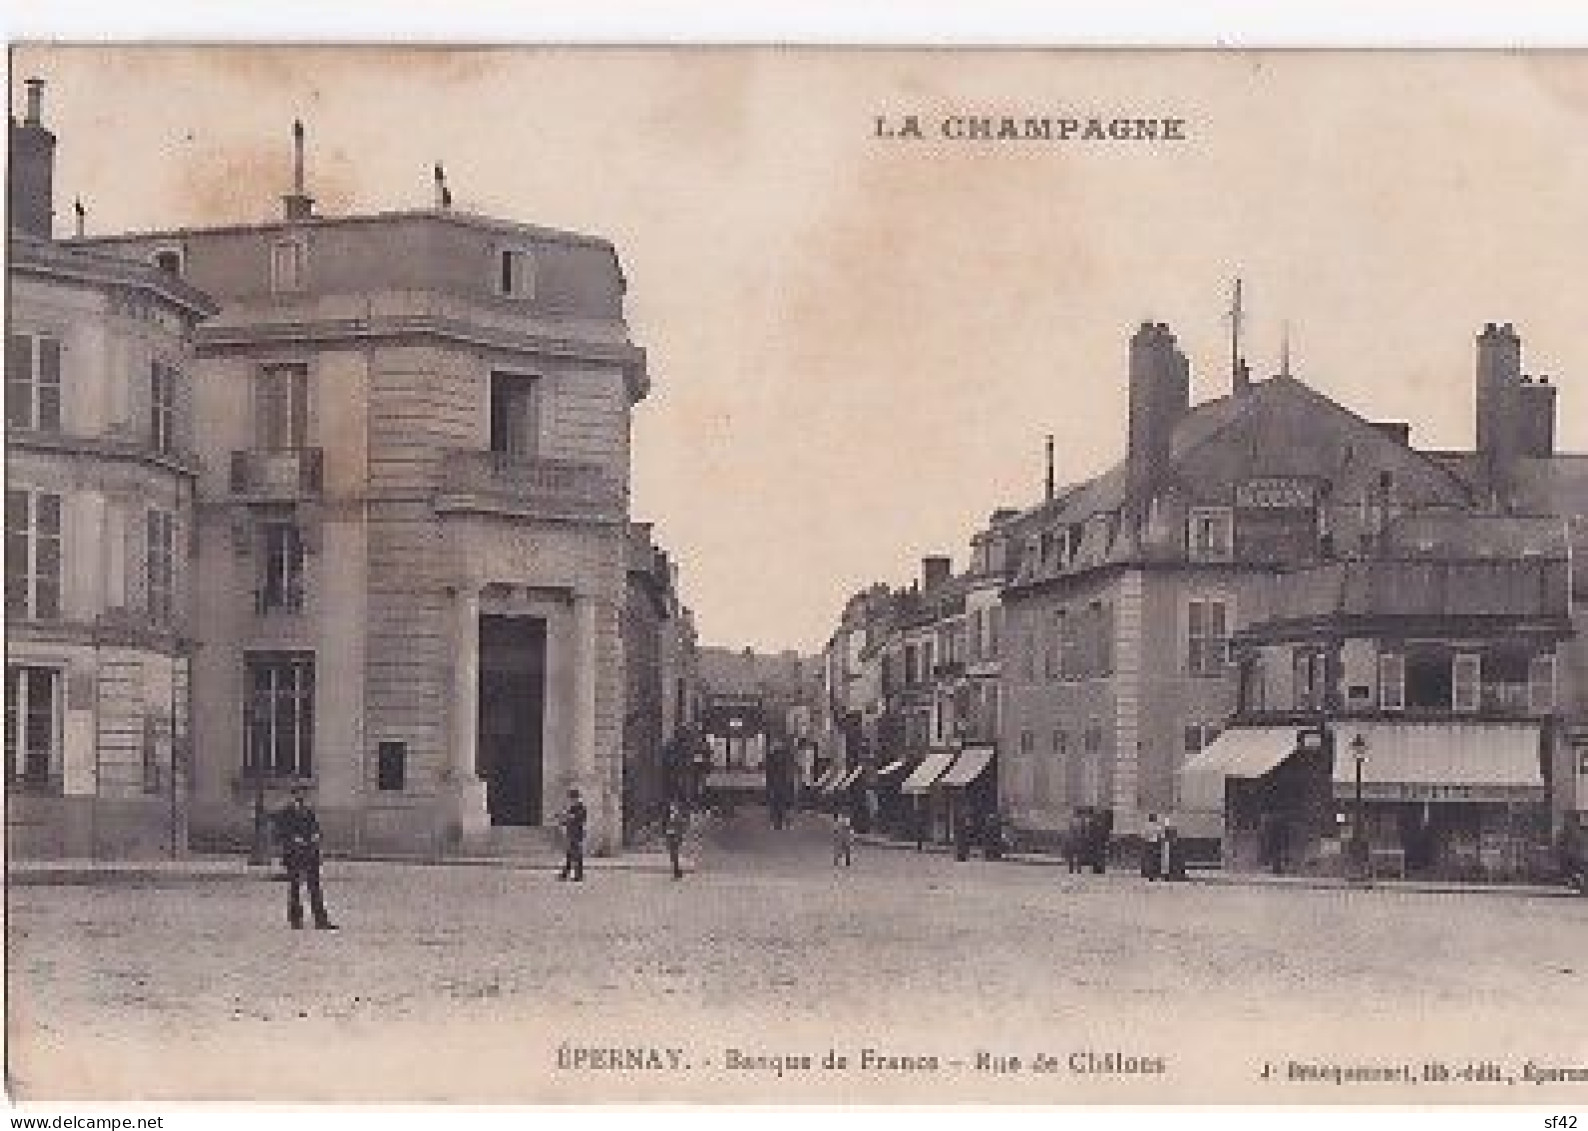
[{"x": 495, "y": 983}]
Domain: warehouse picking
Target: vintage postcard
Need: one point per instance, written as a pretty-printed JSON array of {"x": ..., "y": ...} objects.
[{"x": 796, "y": 575}]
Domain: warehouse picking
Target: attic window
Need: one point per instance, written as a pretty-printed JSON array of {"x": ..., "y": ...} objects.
[
  {"x": 169, "y": 260},
  {"x": 1209, "y": 534},
  {"x": 515, "y": 273}
]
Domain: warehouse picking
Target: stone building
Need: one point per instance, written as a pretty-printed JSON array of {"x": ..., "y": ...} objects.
[
  {"x": 413, "y": 522},
  {"x": 661, "y": 696},
  {"x": 1131, "y": 586},
  {"x": 100, "y": 477}
]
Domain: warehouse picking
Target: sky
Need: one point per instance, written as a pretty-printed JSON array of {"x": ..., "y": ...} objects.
[{"x": 857, "y": 345}]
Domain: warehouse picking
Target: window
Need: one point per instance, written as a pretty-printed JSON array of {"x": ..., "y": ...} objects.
[
  {"x": 1311, "y": 679},
  {"x": 162, "y": 407},
  {"x": 515, "y": 273},
  {"x": 1465, "y": 674},
  {"x": 281, "y": 584},
  {"x": 33, "y": 382},
  {"x": 1055, "y": 650},
  {"x": 513, "y": 412},
  {"x": 995, "y": 625},
  {"x": 1208, "y": 535},
  {"x": 169, "y": 260},
  {"x": 33, "y": 727},
  {"x": 281, "y": 407},
  {"x": 1541, "y": 684},
  {"x": 279, "y": 715},
  {"x": 1428, "y": 680},
  {"x": 1391, "y": 681},
  {"x": 289, "y": 260},
  {"x": 153, "y": 766},
  {"x": 1207, "y": 636},
  {"x": 392, "y": 766},
  {"x": 33, "y": 555},
  {"x": 160, "y": 564}
]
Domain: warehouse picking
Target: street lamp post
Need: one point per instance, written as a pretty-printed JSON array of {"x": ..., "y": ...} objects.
[{"x": 1358, "y": 822}]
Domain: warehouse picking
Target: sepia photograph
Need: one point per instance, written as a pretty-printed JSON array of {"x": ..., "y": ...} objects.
[{"x": 796, "y": 575}]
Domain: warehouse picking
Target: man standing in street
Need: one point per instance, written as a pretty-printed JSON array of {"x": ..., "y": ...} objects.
[
  {"x": 573, "y": 823},
  {"x": 299, "y": 831},
  {"x": 673, "y": 828}
]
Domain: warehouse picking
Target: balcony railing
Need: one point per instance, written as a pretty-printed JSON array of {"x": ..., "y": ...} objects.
[
  {"x": 279, "y": 474},
  {"x": 540, "y": 488}
]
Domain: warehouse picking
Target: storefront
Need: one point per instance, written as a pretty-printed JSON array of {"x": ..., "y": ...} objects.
[
  {"x": 969, "y": 789},
  {"x": 930, "y": 812},
  {"x": 1437, "y": 800}
]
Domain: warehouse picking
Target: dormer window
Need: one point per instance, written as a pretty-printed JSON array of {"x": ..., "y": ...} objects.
[
  {"x": 289, "y": 263},
  {"x": 169, "y": 261},
  {"x": 515, "y": 273},
  {"x": 1209, "y": 534}
]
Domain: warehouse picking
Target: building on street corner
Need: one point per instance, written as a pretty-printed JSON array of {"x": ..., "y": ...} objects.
[
  {"x": 412, "y": 535},
  {"x": 100, "y": 511}
]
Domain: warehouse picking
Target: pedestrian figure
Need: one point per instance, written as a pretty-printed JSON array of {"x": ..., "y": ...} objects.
[
  {"x": 1075, "y": 847},
  {"x": 1152, "y": 849},
  {"x": 673, "y": 828},
  {"x": 843, "y": 839},
  {"x": 1169, "y": 867},
  {"x": 921, "y": 821},
  {"x": 573, "y": 823},
  {"x": 299, "y": 832}
]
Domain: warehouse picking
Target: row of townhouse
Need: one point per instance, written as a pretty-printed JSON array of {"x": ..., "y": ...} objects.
[
  {"x": 340, "y": 502},
  {"x": 1274, "y": 622}
]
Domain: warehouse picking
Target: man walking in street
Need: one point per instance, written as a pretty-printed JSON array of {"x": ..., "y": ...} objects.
[
  {"x": 573, "y": 823},
  {"x": 1152, "y": 849},
  {"x": 843, "y": 839},
  {"x": 299, "y": 831},
  {"x": 674, "y": 826}
]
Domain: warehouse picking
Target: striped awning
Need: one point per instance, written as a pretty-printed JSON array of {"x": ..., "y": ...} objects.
[
  {"x": 970, "y": 765},
  {"x": 1443, "y": 761},
  {"x": 892, "y": 768},
  {"x": 1240, "y": 752},
  {"x": 927, "y": 773}
]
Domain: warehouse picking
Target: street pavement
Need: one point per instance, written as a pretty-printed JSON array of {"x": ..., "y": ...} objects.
[{"x": 751, "y": 978}]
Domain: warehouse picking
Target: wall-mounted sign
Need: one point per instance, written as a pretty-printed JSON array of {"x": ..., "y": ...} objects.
[
  {"x": 1276, "y": 492},
  {"x": 1441, "y": 791}
]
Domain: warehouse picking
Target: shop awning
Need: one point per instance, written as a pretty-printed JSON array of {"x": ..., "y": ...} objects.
[
  {"x": 969, "y": 766},
  {"x": 829, "y": 776},
  {"x": 850, "y": 778},
  {"x": 892, "y": 768},
  {"x": 928, "y": 772},
  {"x": 1440, "y": 761},
  {"x": 1241, "y": 752}
]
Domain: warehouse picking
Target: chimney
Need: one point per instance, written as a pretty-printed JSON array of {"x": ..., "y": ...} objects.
[
  {"x": 1536, "y": 419},
  {"x": 1160, "y": 394},
  {"x": 1499, "y": 395},
  {"x": 443, "y": 193},
  {"x": 1050, "y": 486},
  {"x": 298, "y": 204},
  {"x": 935, "y": 571},
  {"x": 31, "y": 192}
]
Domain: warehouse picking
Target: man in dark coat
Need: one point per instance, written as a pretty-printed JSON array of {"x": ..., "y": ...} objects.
[
  {"x": 298, "y": 829},
  {"x": 573, "y": 823},
  {"x": 674, "y": 825}
]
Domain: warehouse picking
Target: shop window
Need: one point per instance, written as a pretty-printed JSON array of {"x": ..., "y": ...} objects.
[
  {"x": 1253, "y": 692},
  {"x": 392, "y": 766},
  {"x": 1311, "y": 679},
  {"x": 1392, "y": 681},
  {"x": 1465, "y": 675}
]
